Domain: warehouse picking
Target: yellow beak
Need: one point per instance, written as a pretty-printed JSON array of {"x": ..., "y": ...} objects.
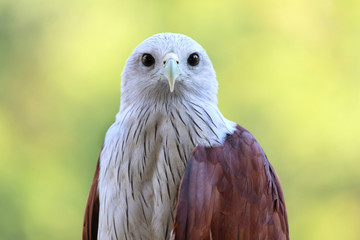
[{"x": 171, "y": 69}]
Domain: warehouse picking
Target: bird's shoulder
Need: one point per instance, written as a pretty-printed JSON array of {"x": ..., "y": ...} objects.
[
  {"x": 91, "y": 217},
  {"x": 240, "y": 157},
  {"x": 232, "y": 191}
]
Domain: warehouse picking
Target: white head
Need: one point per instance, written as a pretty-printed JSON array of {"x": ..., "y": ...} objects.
[{"x": 168, "y": 66}]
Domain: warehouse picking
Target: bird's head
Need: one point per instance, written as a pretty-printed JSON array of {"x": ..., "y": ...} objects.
[{"x": 168, "y": 66}]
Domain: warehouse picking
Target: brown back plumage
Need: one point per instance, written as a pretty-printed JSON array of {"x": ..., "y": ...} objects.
[
  {"x": 231, "y": 192},
  {"x": 91, "y": 218}
]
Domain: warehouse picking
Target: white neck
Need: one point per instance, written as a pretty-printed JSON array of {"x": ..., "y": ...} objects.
[{"x": 144, "y": 157}]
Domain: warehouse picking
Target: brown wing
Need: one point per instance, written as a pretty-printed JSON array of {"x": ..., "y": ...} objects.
[
  {"x": 91, "y": 218},
  {"x": 231, "y": 192}
]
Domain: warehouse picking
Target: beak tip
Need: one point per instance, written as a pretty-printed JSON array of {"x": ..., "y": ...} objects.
[{"x": 171, "y": 72}]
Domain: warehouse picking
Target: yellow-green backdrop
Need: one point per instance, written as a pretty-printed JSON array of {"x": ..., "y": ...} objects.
[{"x": 289, "y": 71}]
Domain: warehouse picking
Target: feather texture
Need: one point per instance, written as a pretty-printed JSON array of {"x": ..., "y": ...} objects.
[
  {"x": 143, "y": 160},
  {"x": 229, "y": 189},
  {"x": 91, "y": 218},
  {"x": 231, "y": 192}
]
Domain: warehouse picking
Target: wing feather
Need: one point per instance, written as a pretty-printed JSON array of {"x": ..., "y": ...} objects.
[
  {"x": 231, "y": 192},
  {"x": 91, "y": 218}
]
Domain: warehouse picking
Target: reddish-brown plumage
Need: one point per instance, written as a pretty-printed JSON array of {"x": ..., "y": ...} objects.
[
  {"x": 231, "y": 191},
  {"x": 91, "y": 219}
]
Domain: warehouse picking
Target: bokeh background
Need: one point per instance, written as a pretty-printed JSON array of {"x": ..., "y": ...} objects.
[{"x": 289, "y": 71}]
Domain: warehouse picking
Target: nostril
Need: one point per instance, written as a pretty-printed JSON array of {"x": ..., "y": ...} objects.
[
  {"x": 177, "y": 62},
  {"x": 164, "y": 62}
]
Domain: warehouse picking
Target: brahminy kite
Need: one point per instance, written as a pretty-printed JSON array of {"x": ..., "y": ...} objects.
[{"x": 172, "y": 166}]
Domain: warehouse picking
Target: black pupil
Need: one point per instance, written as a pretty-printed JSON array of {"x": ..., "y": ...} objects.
[
  {"x": 194, "y": 59},
  {"x": 147, "y": 60}
]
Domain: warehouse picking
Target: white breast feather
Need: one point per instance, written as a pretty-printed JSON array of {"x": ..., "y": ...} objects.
[{"x": 142, "y": 162}]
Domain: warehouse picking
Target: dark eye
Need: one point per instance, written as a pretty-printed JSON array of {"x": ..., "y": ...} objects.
[
  {"x": 147, "y": 60},
  {"x": 193, "y": 59}
]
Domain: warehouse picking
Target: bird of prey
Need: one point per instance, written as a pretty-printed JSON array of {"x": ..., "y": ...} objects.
[{"x": 172, "y": 166}]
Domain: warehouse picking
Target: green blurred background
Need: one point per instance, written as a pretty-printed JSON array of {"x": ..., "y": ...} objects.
[{"x": 289, "y": 71}]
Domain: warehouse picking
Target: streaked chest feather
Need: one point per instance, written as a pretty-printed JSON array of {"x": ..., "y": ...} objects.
[{"x": 142, "y": 162}]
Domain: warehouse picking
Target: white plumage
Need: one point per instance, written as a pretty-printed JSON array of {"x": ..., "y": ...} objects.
[
  {"x": 169, "y": 131},
  {"x": 146, "y": 150}
]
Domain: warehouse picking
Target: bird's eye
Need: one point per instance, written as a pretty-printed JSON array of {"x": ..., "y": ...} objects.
[
  {"x": 193, "y": 59},
  {"x": 147, "y": 59}
]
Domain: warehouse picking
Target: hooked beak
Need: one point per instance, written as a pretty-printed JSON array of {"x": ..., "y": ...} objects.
[{"x": 171, "y": 69}]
